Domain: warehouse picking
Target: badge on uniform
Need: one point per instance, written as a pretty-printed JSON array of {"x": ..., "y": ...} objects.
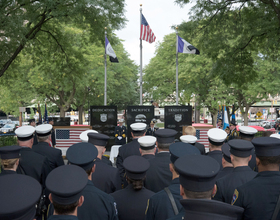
[{"x": 235, "y": 196}]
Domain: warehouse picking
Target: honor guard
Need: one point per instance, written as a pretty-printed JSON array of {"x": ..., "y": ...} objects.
[
  {"x": 105, "y": 177},
  {"x": 159, "y": 175},
  {"x": 147, "y": 146},
  {"x": 260, "y": 196},
  {"x": 132, "y": 148},
  {"x": 216, "y": 139},
  {"x": 19, "y": 195},
  {"x": 120, "y": 133},
  {"x": 192, "y": 139},
  {"x": 197, "y": 179},
  {"x": 233, "y": 131},
  {"x": 66, "y": 184},
  {"x": 226, "y": 162},
  {"x": 132, "y": 201},
  {"x": 220, "y": 124},
  {"x": 44, "y": 148},
  {"x": 240, "y": 154},
  {"x": 151, "y": 130},
  {"x": 9, "y": 159},
  {"x": 166, "y": 203}
]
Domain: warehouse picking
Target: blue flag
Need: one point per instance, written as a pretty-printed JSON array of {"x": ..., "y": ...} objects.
[
  {"x": 185, "y": 47},
  {"x": 109, "y": 50},
  {"x": 225, "y": 122},
  {"x": 46, "y": 119}
]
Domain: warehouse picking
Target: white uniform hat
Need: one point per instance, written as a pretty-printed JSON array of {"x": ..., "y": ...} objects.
[
  {"x": 247, "y": 131},
  {"x": 147, "y": 142},
  {"x": 138, "y": 126},
  {"x": 188, "y": 139},
  {"x": 216, "y": 136},
  {"x": 43, "y": 130},
  {"x": 25, "y": 133},
  {"x": 84, "y": 137},
  {"x": 275, "y": 136}
]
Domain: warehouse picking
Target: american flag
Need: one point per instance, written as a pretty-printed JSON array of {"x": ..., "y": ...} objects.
[
  {"x": 202, "y": 137},
  {"x": 146, "y": 32}
]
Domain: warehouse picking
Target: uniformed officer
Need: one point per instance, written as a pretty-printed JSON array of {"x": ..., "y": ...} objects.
[
  {"x": 19, "y": 195},
  {"x": 31, "y": 163},
  {"x": 260, "y": 195},
  {"x": 219, "y": 124},
  {"x": 105, "y": 177},
  {"x": 197, "y": 183},
  {"x": 151, "y": 130},
  {"x": 216, "y": 139},
  {"x": 233, "y": 131},
  {"x": 159, "y": 175},
  {"x": 120, "y": 133},
  {"x": 147, "y": 146},
  {"x": 44, "y": 148},
  {"x": 161, "y": 205},
  {"x": 66, "y": 184},
  {"x": 190, "y": 138},
  {"x": 132, "y": 201},
  {"x": 84, "y": 138},
  {"x": 240, "y": 155},
  {"x": 51, "y": 122},
  {"x": 248, "y": 133},
  {"x": 226, "y": 162},
  {"x": 33, "y": 124},
  {"x": 275, "y": 135},
  {"x": 9, "y": 159},
  {"x": 132, "y": 148}
]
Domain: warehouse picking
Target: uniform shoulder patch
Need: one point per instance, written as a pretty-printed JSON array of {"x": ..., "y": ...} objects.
[{"x": 235, "y": 196}]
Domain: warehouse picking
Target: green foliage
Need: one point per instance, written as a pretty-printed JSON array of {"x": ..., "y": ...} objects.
[{"x": 7, "y": 141}]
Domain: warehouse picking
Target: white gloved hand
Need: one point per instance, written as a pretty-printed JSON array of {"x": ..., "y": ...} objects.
[{"x": 119, "y": 137}]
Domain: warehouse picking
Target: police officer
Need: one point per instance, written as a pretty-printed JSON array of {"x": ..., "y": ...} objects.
[
  {"x": 19, "y": 195},
  {"x": 33, "y": 124},
  {"x": 226, "y": 162},
  {"x": 216, "y": 139},
  {"x": 44, "y": 148},
  {"x": 260, "y": 195},
  {"x": 51, "y": 122},
  {"x": 147, "y": 146},
  {"x": 151, "y": 130},
  {"x": 9, "y": 159},
  {"x": 132, "y": 201},
  {"x": 161, "y": 205},
  {"x": 197, "y": 180},
  {"x": 192, "y": 139},
  {"x": 132, "y": 148},
  {"x": 159, "y": 175},
  {"x": 105, "y": 177},
  {"x": 120, "y": 133},
  {"x": 66, "y": 184},
  {"x": 240, "y": 154},
  {"x": 233, "y": 131}
]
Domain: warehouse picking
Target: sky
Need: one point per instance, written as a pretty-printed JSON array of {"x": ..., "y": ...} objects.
[{"x": 161, "y": 16}]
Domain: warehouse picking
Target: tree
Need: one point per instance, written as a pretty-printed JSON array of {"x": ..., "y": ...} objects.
[{"x": 21, "y": 22}]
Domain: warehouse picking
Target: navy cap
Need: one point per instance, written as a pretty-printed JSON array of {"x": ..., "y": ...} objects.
[
  {"x": 82, "y": 154},
  {"x": 10, "y": 152},
  {"x": 240, "y": 148},
  {"x": 165, "y": 135},
  {"x": 233, "y": 122},
  {"x": 136, "y": 167},
  {"x": 66, "y": 184},
  {"x": 226, "y": 152},
  {"x": 19, "y": 195},
  {"x": 98, "y": 139},
  {"x": 267, "y": 146},
  {"x": 180, "y": 149},
  {"x": 197, "y": 172}
]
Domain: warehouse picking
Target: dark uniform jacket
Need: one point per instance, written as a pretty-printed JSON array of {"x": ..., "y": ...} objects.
[
  {"x": 131, "y": 204},
  {"x": 150, "y": 131},
  {"x": 159, "y": 205},
  {"x": 6, "y": 172},
  {"x": 217, "y": 155},
  {"x": 180, "y": 215},
  {"x": 54, "y": 155},
  {"x": 148, "y": 156},
  {"x": 53, "y": 137},
  {"x": 120, "y": 131},
  {"x": 129, "y": 149},
  {"x": 227, "y": 184},
  {"x": 200, "y": 147},
  {"x": 105, "y": 177},
  {"x": 63, "y": 217},
  {"x": 158, "y": 175},
  {"x": 225, "y": 171},
  {"x": 97, "y": 205},
  {"x": 233, "y": 134},
  {"x": 259, "y": 196},
  {"x": 34, "y": 165}
]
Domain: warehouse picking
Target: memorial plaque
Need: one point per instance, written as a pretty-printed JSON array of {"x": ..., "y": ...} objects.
[
  {"x": 61, "y": 121},
  {"x": 135, "y": 114},
  {"x": 104, "y": 120},
  {"x": 175, "y": 117}
]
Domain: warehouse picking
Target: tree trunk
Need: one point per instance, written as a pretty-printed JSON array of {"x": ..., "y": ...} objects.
[
  {"x": 245, "y": 115},
  {"x": 81, "y": 112},
  {"x": 214, "y": 119},
  {"x": 62, "y": 112},
  {"x": 197, "y": 113}
]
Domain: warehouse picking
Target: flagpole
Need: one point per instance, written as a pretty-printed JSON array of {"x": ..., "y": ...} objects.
[
  {"x": 141, "y": 103},
  {"x": 105, "y": 81},
  {"x": 177, "y": 66}
]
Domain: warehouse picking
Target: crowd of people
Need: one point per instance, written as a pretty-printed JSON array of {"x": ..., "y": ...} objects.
[{"x": 156, "y": 176}]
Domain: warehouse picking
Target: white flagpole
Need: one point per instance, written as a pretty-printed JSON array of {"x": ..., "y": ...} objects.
[
  {"x": 141, "y": 103},
  {"x": 105, "y": 81},
  {"x": 177, "y": 66}
]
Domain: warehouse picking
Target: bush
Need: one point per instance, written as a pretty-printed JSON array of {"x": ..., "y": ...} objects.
[{"x": 8, "y": 140}]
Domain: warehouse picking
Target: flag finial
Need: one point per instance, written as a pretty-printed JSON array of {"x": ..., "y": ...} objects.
[
  {"x": 140, "y": 5},
  {"x": 105, "y": 28}
]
